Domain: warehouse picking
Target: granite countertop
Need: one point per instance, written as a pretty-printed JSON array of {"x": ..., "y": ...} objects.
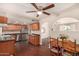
[
  {"x": 34, "y": 34},
  {"x": 14, "y": 33},
  {"x": 6, "y": 38}
]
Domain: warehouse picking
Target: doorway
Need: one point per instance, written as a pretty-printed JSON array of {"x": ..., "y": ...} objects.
[{"x": 45, "y": 34}]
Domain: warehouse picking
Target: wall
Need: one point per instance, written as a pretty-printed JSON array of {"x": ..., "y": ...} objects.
[
  {"x": 0, "y": 30},
  {"x": 46, "y": 23}
]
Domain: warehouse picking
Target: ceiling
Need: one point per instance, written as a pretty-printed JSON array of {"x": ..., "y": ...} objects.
[
  {"x": 67, "y": 21},
  {"x": 17, "y": 11}
]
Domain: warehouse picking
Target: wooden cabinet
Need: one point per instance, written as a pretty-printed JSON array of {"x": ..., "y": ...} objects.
[
  {"x": 34, "y": 39},
  {"x": 7, "y": 47},
  {"x": 11, "y": 28},
  {"x": 35, "y": 26},
  {"x": 3, "y": 19}
]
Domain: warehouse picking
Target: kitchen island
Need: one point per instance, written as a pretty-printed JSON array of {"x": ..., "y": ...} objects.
[{"x": 7, "y": 46}]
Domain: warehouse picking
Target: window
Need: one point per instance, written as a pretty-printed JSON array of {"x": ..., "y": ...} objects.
[
  {"x": 68, "y": 27},
  {"x": 65, "y": 28}
]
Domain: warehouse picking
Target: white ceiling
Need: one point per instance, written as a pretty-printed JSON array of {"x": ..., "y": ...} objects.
[
  {"x": 67, "y": 21},
  {"x": 17, "y": 11}
]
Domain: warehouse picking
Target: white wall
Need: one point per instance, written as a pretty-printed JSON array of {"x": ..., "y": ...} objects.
[
  {"x": 0, "y": 30},
  {"x": 46, "y": 23}
]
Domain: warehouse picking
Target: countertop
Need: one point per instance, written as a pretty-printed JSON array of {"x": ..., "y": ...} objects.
[
  {"x": 14, "y": 33},
  {"x": 7, "y": 40}
]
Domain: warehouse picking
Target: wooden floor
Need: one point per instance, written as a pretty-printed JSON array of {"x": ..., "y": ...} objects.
[{"x": 25, "y": 49}]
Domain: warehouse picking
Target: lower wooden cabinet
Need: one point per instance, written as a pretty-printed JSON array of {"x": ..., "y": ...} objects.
[
  {"x": 7, "y": 47},
  {"x": 34, "y": 39}
]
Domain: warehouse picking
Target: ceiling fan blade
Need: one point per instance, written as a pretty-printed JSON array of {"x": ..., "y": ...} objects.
[
  {"x": 48, "y": 7},
  {"x": 35, "y": 6},
  {"x": 46, "y": 13},
  {"x": 30, "y": 11}
]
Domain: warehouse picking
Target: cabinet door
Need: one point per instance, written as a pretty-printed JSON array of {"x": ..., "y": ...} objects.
[
  {"x": 35, "y": 26},
  {"x": 36, "y": 40},
  {"x": 12, "y": 28},
  {"x": 3, "y": 19}
]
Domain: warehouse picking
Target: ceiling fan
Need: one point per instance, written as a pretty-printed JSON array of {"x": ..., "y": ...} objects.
[{"x": 40, "y": 9}]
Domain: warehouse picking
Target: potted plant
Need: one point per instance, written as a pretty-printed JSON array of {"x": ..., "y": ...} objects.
[{"x": 62, "y": 36}]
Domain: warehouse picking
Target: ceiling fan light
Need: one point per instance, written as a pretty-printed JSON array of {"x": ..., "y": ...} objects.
[{"x": 39, "y": 12}]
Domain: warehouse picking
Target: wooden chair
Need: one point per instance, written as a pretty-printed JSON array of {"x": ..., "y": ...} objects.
[
  {"x": 54, "y": 47},
  {"x": 64, "y": 47}
]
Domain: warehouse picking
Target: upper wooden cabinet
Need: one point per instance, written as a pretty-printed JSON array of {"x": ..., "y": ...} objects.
[
  {"x": 3, "y": 19},
  {"x": 14, "y": 27},
  {"x": 35, "y": 26},
  {"x": 11, "y": 28}
]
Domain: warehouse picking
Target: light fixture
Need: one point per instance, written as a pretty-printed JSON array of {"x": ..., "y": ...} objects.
[{"x": 39, "y": 12}]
